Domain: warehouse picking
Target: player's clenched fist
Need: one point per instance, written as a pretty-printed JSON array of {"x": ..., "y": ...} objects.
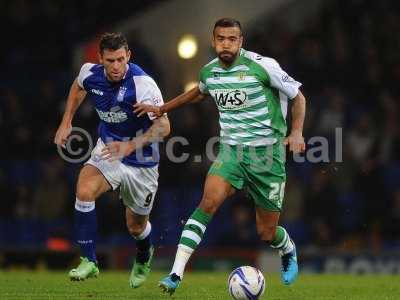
[
  {"x": 62, "y": 134},
  {"x": 141, "y": 109}
]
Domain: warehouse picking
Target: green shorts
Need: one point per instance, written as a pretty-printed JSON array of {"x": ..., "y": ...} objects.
[{"x": 261, "y": 170}]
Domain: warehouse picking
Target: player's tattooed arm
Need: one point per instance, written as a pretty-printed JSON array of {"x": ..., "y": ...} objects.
[
  {"x": 118, "y": 150},
  {"x": 75, "y": 98},
  {"x": 191, "y": 96},
  {"x": 295, "y": 140}
]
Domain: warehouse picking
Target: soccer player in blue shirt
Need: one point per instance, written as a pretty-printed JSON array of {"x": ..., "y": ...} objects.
[{"x": 126, "y": 154}]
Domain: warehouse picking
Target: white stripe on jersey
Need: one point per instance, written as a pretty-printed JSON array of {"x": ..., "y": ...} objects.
[{"x": 233, "y": 79}]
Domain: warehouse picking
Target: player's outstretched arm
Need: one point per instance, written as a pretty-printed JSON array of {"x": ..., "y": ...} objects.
[
  {"x": 295, "y": 140},
  {"x": 117, "y": 150},
  {"x": 191, "y": 96},
  {"x": 75, "y": 97}
]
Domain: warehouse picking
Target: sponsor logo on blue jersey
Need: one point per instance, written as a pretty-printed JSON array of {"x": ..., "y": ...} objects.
[{"x": 115, "y": 115}]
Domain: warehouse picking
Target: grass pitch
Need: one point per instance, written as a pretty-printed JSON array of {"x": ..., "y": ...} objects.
[{"x": 43, "y": 285}]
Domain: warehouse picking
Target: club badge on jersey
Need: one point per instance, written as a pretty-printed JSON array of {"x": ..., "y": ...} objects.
[
  {"x": 121, "y": 93},
  {"x": 241, "y": 76}
]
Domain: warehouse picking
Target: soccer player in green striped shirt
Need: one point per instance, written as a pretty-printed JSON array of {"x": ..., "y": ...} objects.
[{"x": 252, "y": 94}]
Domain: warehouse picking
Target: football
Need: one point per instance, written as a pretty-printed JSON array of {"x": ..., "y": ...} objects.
[{"x": 246, "y": 283}]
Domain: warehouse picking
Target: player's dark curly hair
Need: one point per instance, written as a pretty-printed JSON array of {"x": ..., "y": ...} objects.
[
  {"x": 113, "y": 41},
  {"x": 227, "y": 22}
]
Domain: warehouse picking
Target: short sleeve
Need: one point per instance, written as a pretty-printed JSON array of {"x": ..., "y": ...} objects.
[
  {"x": 203, "y": 88},
  {"x": 84, "y": 73},
  {"x": 279, "y": 78},
  {"x": 147, "y": 92},
  {"x": 202, "y": 83}
]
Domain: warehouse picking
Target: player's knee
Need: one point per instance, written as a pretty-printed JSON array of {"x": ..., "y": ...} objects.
[
  {"x": 208, "y": 205},
  {"x": 135, "y": 229},
  {"x": 267, "y": 234},
  {"x": 85, "y": 194}
]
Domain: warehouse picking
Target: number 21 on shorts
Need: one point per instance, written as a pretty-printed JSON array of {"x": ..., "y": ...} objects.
[{"x": 277, "y": 192}]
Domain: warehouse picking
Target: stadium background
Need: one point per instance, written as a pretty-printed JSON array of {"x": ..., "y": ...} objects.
[{"x": 344, "y": 216}]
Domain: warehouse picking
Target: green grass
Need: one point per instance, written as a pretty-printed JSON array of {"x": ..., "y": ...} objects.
[{"x": 43, "y": 285}]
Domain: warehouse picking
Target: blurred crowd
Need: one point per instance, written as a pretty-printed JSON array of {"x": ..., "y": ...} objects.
[{"x": 348, "y": 59}]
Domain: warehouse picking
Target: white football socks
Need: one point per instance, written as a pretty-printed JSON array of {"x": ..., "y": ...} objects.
[{"x": 182, "y": 257}]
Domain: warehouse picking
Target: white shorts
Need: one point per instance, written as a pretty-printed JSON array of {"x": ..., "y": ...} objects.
[{"x": 138, "y": 185}]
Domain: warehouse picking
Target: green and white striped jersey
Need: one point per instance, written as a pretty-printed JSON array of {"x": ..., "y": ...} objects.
[{"x": 251, "y": 96}]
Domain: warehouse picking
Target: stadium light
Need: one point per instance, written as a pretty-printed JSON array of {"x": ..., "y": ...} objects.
[
  {"x": 187, "y": 46},
  {"x": 189, "y": 85}
]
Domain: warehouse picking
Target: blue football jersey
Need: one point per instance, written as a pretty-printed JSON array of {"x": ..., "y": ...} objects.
[{"x": 113, "y": 102}]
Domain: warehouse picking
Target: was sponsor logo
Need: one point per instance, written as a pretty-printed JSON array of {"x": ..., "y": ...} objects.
[
  {"x": 115, "y": 115},
  {"x": 230, "y": 99}
]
